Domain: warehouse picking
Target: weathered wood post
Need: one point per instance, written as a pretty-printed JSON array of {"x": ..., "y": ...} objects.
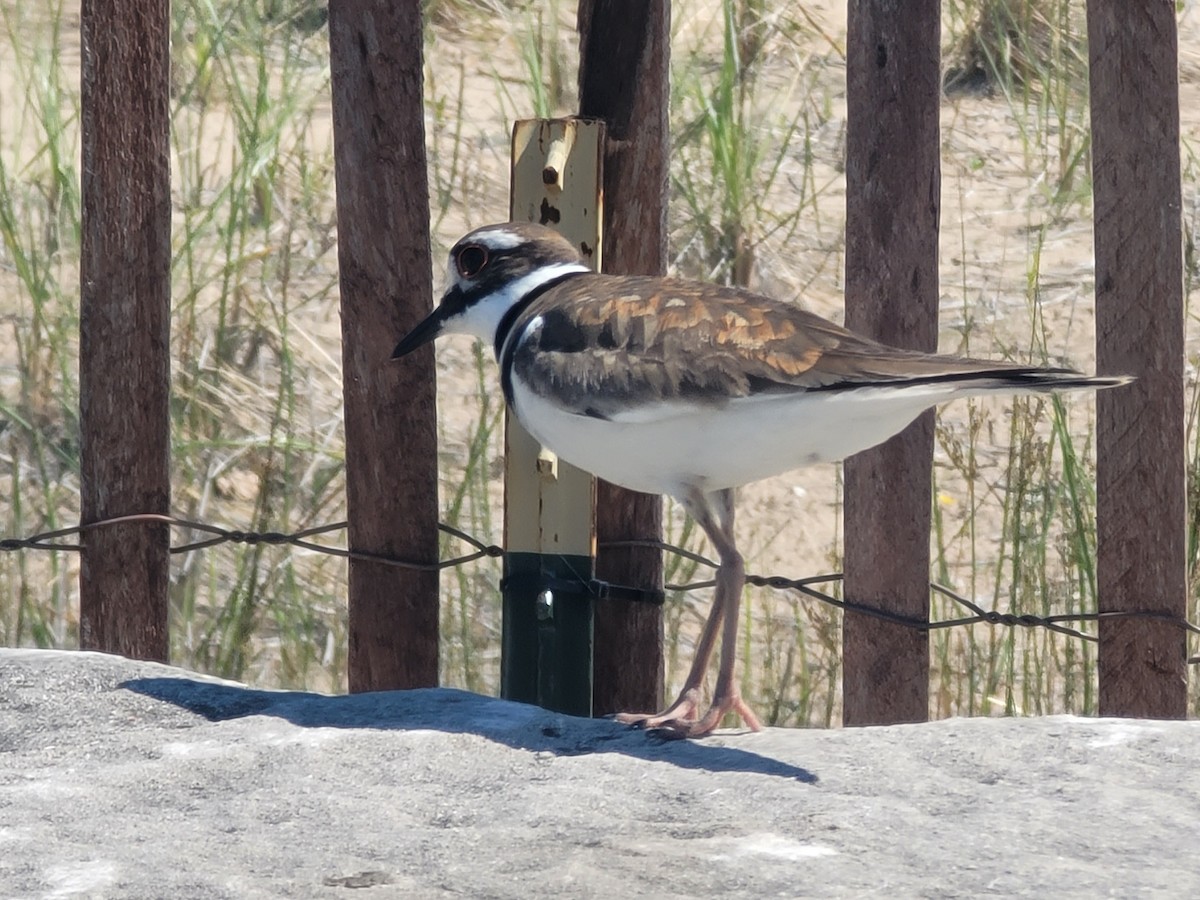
[
  {"x": 1140, "y": 457},
  {"x": 624, "y": 73},
  {"x": 893, "y": 179},
  {"x": 124, "y": 322},
  {"x": 386, "y": 288},
  {"x": 546, "y": 657}
]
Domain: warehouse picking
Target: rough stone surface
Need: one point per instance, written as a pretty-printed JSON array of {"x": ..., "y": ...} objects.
[{"x": 127, "y": 779}]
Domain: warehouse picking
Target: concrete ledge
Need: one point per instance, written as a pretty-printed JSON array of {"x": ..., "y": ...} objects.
[{"x": 127, "y": 779}]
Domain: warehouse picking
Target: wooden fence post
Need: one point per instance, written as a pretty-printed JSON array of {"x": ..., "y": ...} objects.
[
  {"x": 124, "y": 323},
  {"x": 624, "y": 80},
  {"x": 386, "y": 288},
  {"x": 1140, "y": 465},
  {"x": 893, "y": 180}
]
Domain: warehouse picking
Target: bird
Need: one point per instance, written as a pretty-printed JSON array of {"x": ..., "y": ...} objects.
[{"x": 691, "y": 389}]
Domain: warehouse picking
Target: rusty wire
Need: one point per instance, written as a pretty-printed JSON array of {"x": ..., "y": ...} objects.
[
  {"x": 50, "y": 540},
  {"x": 233, "y": 536},
  {"x": 979, "y": 615}
]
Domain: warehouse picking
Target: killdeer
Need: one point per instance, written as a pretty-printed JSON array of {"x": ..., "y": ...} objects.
[{"x": 691, "y": 390}]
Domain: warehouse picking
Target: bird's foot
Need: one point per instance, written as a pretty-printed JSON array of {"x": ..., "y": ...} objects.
[
  {"x": 682, "y": 710},
  {"x": 680, "y": 721}
]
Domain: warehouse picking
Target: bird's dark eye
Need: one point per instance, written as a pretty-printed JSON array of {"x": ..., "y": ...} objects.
[{"x": 471, "y": 260}]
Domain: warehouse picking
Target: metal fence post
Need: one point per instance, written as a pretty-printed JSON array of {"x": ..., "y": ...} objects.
[{"x": 548, "y": 504}]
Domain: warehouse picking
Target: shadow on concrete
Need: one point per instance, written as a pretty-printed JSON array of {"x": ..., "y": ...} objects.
[{"x": 452, "y": 711}]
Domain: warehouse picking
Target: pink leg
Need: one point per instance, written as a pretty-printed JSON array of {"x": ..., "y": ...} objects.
[
  {"x": 714, "y": 513},
  {"x": 686, "y": 705}
]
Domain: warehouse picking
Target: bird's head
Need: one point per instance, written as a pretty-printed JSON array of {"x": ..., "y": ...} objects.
[{"x": 492, "y": 270}]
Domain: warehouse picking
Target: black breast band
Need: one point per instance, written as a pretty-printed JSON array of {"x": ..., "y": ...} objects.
[{"x": 504, "y": 354}]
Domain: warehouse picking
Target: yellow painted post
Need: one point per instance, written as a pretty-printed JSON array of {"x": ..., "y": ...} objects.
[{"x": 548, "y": 504}]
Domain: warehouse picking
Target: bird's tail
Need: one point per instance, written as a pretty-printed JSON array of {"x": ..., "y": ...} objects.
[
  {"x": 1049, "y": 380},
  {"x": 1019, "y": 379}
]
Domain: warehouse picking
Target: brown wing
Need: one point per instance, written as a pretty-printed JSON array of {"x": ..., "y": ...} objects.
[{"x": 607, "y": 342}]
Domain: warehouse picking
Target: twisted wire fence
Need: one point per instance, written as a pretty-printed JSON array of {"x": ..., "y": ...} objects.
[{"x": 1058, "y": 622}]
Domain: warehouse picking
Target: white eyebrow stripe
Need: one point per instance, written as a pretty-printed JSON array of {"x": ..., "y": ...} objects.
[{"x": 498, "y": 239}]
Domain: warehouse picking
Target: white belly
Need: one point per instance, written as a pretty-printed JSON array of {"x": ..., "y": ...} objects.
[{"x": 667, "y": 448}]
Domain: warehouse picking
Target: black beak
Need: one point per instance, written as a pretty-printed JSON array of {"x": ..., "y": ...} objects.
[{"x": 429, "y": 327}]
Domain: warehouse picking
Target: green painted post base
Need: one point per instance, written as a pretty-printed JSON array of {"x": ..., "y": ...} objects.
[{"x": 546, "y": 650}]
